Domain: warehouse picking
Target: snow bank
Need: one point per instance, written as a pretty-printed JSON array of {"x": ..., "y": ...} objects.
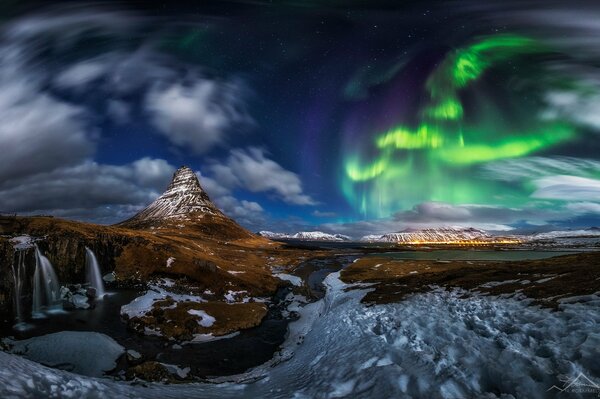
[
  {"x": 432, "y": 345},
  {"x": 87, "y": 353}
]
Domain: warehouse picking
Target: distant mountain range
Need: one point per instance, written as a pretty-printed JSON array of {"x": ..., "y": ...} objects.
[
  {"x": 433, "y": 235},
  {"x": 305, "y": 236},
  {"x": 439, "y": 235},
  {"x": 551, "y": 235}
]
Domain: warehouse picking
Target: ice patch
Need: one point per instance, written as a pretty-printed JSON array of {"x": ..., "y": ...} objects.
[
  {"x": 295, "y": 280},
  {"x": 201, "y": 338}
]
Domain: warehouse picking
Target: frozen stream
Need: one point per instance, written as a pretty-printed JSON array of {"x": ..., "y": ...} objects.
[{"x": 431, "y": 345}]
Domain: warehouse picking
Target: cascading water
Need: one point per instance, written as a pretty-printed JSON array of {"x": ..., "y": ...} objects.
[
  {"x": 18, "y": 276},
  {"x": 92, "y": 272},
  {"x": 46, "y": 289}
]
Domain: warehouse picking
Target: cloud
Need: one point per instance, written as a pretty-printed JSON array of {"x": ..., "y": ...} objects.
[
  {"x": 439, "y": 214},
  {"x": 321, "y": 214},
  {"x": 584, "y": 207},
  {"x": 118, "y": 111},
  {"x": 89, "y": 191},
  {"x": 431, "y": 211},
  {"x": 580, "y": 107},
  {"x": 251, "y": 170},
  {"x": 515, "y": 170},
  {"x": 198, "y": 115},
  {"x": 567, "y": 188},
  {"x": 81, "y": 74},
  {"x": 38, "y": 132}
]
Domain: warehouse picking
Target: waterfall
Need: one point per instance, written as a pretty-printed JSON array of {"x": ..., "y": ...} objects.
[
  {"x": 46, "y": 289},
  {"x": 18, "y": 276},
  {"x": 92, "y": 272}
]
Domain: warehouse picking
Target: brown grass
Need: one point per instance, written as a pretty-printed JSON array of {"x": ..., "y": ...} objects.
[{"x": 545, "y": 280}]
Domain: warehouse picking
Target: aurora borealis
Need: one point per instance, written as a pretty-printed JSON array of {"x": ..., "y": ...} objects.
[
  {"x": 347, "y": 117},
  {"x": 433, "y": 161}
]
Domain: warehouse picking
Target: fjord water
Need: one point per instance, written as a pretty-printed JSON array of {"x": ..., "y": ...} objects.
[
  {"x": 92, "y": 272},
  {"x": 46, "y": 288}
]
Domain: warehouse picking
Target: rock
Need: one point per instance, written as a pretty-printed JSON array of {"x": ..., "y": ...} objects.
[
  {"x": 65, "y": 293},
  {"x": 109, "y": 277},
  {"x": 87, "y": 353},
  {"x": 80, "y": 301},
  {"x": 149, "y": 371},
  {"x": 90, "y": 292},
  {"x": 177, "y": 346},
  {"x": 133, "y": 356},
  {"x": 177, "y": 372}
]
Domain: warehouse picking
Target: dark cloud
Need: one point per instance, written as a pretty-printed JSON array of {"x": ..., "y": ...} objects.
[{"x": 88, "y": 190}]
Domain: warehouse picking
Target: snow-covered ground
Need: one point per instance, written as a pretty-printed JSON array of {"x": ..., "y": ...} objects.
[{"x": 434, "y": 345}]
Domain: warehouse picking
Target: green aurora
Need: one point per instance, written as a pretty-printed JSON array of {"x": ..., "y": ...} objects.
[{"x": 439, "y": 158}]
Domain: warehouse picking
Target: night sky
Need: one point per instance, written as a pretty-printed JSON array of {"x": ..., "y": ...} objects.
[{"x": 355, "y": 117}]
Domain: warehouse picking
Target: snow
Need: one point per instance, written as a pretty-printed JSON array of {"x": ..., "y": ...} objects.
[
  {"x": 234, "y": 272},
  {"x": 170, "y": 261},
  {"x": 306, "y": 235},
  {"x": 566, "y": 233},
  {"x": 440, "y": 234},
  {"x": 295, "y": 280},
  {"x": 202, "y": 338},
  {"x": 22, "y": 242},
  {"x": 233, "y": 296},
  {"x": 143, "y": 304},
  {"x": 87, "y": 353},
  {"x": 183, "y": 197},
  {"x": 439, "y": 344},
  {"x": 206, "y": 319}
]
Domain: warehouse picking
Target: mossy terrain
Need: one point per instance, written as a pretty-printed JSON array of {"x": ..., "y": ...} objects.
[{"x": 546, "y": 280}]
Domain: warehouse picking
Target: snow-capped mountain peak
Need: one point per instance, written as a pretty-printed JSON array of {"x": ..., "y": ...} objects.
[{"x": 184, "y": 196}]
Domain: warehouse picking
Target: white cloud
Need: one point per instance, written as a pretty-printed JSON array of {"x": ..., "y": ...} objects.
[
  {"x": 251, "y": 170},
  {"x": 580, "y": 107},
  {"x": 567, "y": 188},
  {"x": 584, "y": 207},
  {"x": 514, "y": 170},
  {"x": 81, "y": 74},
  {"x": 248, "y": 213},
  {"x": 197, "y": 115}
]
